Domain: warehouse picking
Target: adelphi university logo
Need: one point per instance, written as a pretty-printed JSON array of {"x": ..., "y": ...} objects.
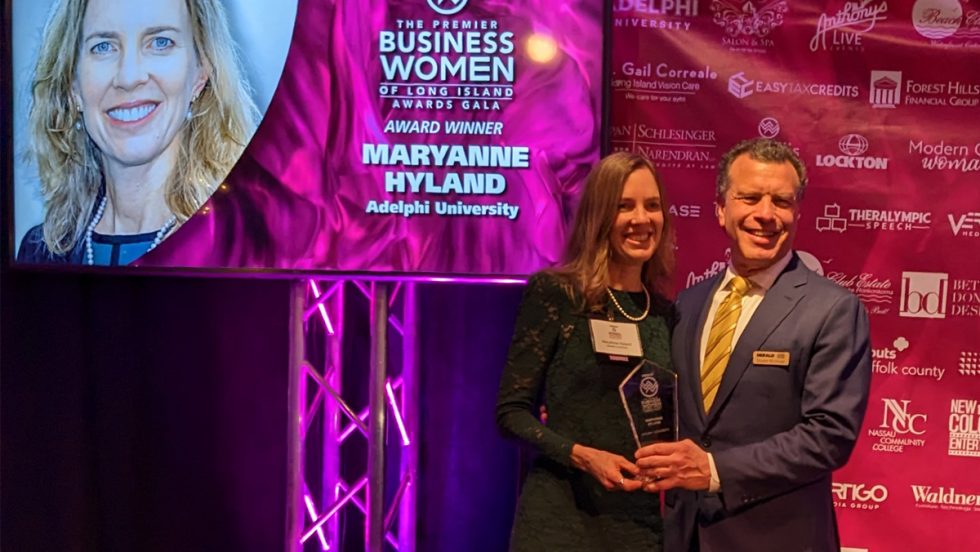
[{"x": 447, "y": 7}]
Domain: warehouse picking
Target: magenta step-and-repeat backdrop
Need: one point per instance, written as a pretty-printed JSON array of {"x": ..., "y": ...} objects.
[{"x": 881, "y": 98}]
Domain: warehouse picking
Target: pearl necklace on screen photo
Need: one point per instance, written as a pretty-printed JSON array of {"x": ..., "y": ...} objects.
[{"x": 89, "y": 252}]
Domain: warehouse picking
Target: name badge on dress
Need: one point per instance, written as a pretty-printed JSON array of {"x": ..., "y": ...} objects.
[
  {"x": 619, "y": 340},
  {"x": 770, "y": 358}
]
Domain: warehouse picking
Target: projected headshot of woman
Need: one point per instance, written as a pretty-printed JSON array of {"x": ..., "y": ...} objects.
[{"x": 138, "y": 110}]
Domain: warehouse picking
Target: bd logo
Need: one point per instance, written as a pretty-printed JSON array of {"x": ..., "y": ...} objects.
[
  {"x": 924, "y": 294},
  {"x": 447, "y": 7}
]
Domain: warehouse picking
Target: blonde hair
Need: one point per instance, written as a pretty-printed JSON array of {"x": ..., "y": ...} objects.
[
  {"x": 585, "y": 273},
  {"x": 68, "y": 161}
]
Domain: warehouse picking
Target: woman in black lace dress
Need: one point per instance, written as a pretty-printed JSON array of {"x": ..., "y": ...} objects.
[{"x": 580, "y": 494}]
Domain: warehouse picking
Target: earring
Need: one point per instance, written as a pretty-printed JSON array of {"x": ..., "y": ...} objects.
[
  {"x": 78, "y": 123},
  {"x": 190, "y": 114}
]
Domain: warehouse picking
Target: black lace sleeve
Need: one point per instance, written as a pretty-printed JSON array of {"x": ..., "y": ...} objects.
[{"x": 532, "y": 350}]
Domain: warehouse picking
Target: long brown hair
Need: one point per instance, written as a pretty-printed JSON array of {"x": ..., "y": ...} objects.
[
  {"x": 69, "y": 163},
  {"x": 585, "y": 272}
]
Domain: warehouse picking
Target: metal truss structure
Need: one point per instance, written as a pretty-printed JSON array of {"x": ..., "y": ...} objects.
[{"x": 332, "y": 424}]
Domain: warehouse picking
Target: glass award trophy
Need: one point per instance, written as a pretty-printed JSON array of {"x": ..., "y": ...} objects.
[{"x": 649, "y": 395}]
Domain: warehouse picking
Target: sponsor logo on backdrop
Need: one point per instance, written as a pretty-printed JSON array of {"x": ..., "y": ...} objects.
[
  {"x": 660, "y": 82},
  {"x": 859, "y": 496},
  {"x": 715, "y": 268},
  {"x": 837, "y": 219},
  {"x": 924, "y": 294},
  {"x": 853, "y": 147},
  {"x": 886, "y": 89},
  {"x": 890, "y": 89},
  {"x": 666, "y": 15},
  {"x": 845, "y": 29},
  {"x": 742, "y": 87},
  {"x": 769, "y": 127},
  {"x": 945, "y": 498},
  {"x": 943, "y": 156},
  {"x": 748, "y": 23},
  {"x": 447, "y": 7},
  {"x": 685, "y": 211},
  {"x": 852, "y": 549},
  {"x": 901, "y": 426},
  {"x": 876, "y": 293},
  {"x": 681, "y": 148},
  {"x": 947, "y": 22},
  {"x": 966, "y": 225},
  {"x": 964, "y": 427},
  {"x": 889, "y": 361},
  {"x": 969, "y": 363},
  {"x": 935, "y": 295}
]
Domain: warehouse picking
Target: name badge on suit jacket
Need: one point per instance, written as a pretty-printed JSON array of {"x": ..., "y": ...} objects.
[
  {"x": 618, "y": 340},
  {"x": 770, "y": 358}
]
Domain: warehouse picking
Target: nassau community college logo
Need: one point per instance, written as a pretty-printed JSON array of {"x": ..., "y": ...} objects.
[
  {"x": 447, "y": 7},
  {"x": 901, "y": 426}
]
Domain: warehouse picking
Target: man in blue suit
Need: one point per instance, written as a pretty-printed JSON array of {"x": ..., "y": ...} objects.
[{"x": 774, "y": 365}]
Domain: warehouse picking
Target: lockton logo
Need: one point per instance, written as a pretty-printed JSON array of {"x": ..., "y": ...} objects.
[
  {"x": 740, "y": 86},
  {"x": 964, "y": 427},
  {"x": 447, "y": 7},
  {"x": 886, "y": 89},
  {"x": 937, "y": 19},
  {"x": 966, "y": 225},
  {"x": 901, "y": 426},
  {"x": 890, "y": 220},
  {"x": 768, "y": 127},
  {"x": 846, "y": 28},
  {"x": 924, "y": 294},
  {"x": 852, "y": 146},
  {"x": 858, "y": 496},
  {"x": 969, "y": 363}
]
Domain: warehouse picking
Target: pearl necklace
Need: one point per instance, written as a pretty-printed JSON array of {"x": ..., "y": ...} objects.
[
  {"x": 619, "y": 307},
  {"x": 89, "y": 251}
]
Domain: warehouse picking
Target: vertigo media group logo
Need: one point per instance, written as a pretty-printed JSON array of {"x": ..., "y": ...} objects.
[
  {"x": 924, "y": 294},
  {"x": 886, "y": 89}
]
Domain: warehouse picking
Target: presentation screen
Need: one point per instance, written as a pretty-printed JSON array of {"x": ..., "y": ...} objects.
[{"x": 443, "y": 138}]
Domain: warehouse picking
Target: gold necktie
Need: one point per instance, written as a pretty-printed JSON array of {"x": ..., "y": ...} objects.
[{"x": 719, "y": 345}]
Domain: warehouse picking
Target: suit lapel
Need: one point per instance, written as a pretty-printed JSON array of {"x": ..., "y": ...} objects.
[
  {"x": 692, "y": 331},
  {"x": 778, "y": 302}
]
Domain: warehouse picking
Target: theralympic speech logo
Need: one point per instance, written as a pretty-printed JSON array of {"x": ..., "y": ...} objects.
[{"x": 447, "y": 7}]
